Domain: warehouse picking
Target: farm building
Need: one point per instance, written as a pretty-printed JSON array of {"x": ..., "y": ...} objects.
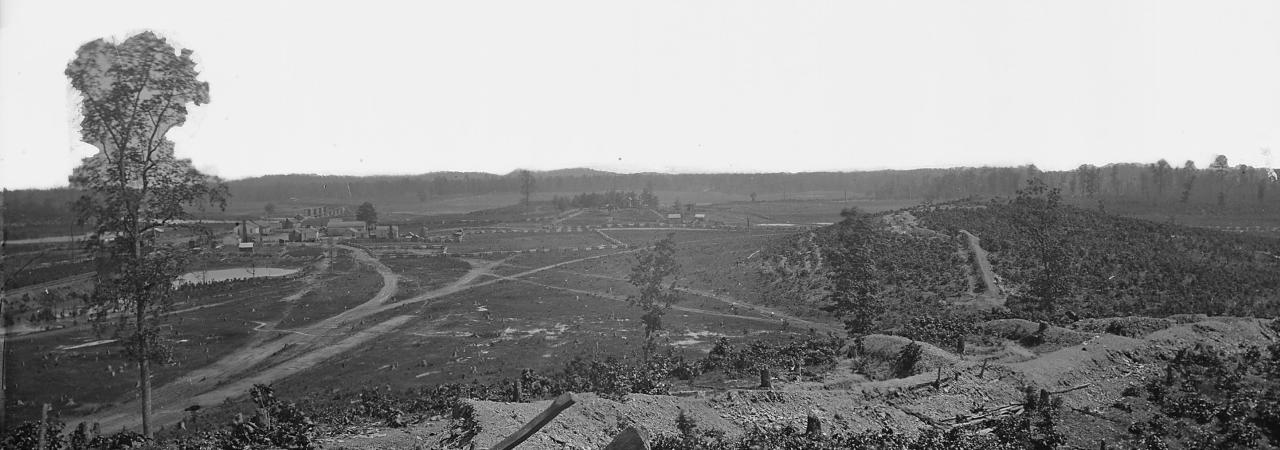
[
  {"x": 347, "y": 232},
  {"x": 325, "y": 211},
  {"x": 304, "y": 235},
  {"x": 384, "y": 232},
  {"x": 248, "y": 228},
  {"x": 348, "y": 228}
]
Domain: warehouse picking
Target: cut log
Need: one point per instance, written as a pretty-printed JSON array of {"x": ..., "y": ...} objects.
[{"x": 564, "y": 401}]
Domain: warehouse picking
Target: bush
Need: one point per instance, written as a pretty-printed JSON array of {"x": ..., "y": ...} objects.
[
  {"x": 27, "y": 435},
  {"x": 946, "y": 330},
  {"x": 905, "y": 364},
  {"x": 791, "y": 357},
  {"x": 1214, "y": 397}
]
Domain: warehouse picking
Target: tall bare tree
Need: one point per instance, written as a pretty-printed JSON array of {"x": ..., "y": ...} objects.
[{"x": 132, "y": 93}]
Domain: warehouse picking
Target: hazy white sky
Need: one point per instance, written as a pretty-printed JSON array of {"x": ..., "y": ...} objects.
[{"x": 410, "y": 87}]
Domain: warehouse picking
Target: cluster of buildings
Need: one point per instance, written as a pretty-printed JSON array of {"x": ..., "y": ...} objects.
[
  {"x": 326, "y": 211},
  {"x": 252, "y": 231}
]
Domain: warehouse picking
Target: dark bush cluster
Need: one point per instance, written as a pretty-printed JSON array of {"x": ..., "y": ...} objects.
[
  {"x": 945, "y": 330},
  {"x": 904, "y": 365},
  {"x": 1214, "y": 397},
  {"x": 1116, "y": 266},
  {"x": 27, "y": 436},
  {"x": 791, "y": 357}
]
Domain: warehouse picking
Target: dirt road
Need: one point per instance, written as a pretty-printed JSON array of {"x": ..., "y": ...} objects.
[
  {"x": 770, "y": 315},
  {"x": 991, "y": 295},
  {"x": 272, "y": 356},
  {"x": 284, "y": 354}
]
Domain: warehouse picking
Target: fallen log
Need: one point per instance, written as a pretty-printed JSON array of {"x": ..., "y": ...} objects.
[{"x": 564, "y": 401}]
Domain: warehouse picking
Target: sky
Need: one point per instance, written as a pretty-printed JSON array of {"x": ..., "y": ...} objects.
[{"x": 368, "y": 87}]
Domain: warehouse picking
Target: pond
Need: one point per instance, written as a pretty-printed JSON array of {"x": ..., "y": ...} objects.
[{"x": 207, "y": 276}]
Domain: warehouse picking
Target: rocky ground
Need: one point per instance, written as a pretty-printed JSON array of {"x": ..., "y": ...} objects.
[{"x": 1087, "y": 365}]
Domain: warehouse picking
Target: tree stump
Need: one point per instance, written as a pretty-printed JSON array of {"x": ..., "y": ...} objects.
[{"x": 813, "y": 425}]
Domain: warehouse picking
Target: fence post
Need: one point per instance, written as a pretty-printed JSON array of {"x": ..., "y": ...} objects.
[{"x": 44, "y": 424}]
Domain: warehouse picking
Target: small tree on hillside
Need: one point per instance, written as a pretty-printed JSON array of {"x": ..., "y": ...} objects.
[
  {"x": 269, "y": 208},
  {"x": 655, "y": 275},
  {"x": 1162, "y": 175},
  {"x": 1188, "y": 180},
  {"x": 365, "y": 212},
  {"x": 851, "y": 295},
  {"x": 647, "y": 197},
  {"x": 527, "y": 185},
  {"x": 132, "y": 93},
  {"x": 1041, "y": 220}
]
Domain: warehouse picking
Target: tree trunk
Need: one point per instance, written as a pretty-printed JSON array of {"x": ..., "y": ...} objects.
[
  {"x": 144, "y": 367},
  {"x": 144, "y": 370}
]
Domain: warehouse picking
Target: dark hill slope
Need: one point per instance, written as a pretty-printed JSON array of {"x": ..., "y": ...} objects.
[
  {"x": 1121, "y": 266},
  {"x": 1113, "y": 266}
]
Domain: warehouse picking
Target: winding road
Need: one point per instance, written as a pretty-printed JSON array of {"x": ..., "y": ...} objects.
[
  {"x": 275, "y": 354},
  {"x": 271, "y": 357}
]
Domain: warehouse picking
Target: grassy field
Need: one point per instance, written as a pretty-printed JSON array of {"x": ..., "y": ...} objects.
[
  {"x": 490, "y": 329},
  {"x": 524, "y": 241},
  {"x": 76, "y": 381},
  {"x": 494, "y": 332},
  {"x": 418, "y": 275},
  {"x": 332, "y": 294},
  {"x": 823, "y": 210}
]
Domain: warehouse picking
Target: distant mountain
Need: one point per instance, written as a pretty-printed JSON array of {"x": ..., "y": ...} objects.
[
  {"x": 571, "y": 172},
  {"x": 1153, "y": 184}
]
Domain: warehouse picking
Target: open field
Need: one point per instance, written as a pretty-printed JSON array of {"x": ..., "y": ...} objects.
[
  {"x": 392, "y": 316},
  {"x": 79, "y": 380},
  {"x": 557, "y": 305},
  {"x": 824, "y": 208},
  {"x": 525, "y": 241}
]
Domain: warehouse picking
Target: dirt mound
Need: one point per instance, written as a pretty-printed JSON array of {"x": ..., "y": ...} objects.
[
  {"x": 1089, "y": 376},
  {"x": 877, "y": 360},
  {"x": 1227, "y": 331},
  {"x": 1188, "y": 318},
  {"x": 1132, "y": 326},
  {"x": 886, "y": 347},
  {"x": 1025, "y": 332},
  {"x": 593, "y": 421}
]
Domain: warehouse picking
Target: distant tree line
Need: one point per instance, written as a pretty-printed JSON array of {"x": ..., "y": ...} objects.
[
  {"x": 608, "y": 199},
  {"x": 1217, "y": 184}
]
